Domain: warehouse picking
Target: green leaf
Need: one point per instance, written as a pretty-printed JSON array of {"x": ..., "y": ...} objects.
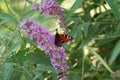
[
  {"x": 5, "y": 35},
  {"x": 1, "y": 48},
  {"x": 7, "y": 70},
  {"x": 25, "y": 77},
  {"x": 75, "y": 6},
  {"x": 54, "y": 76},
  {"x": 91, "y": 33},
  {"x": 27, "y": 73},
  {"x": 115, "y": 52},
  {"x": 115, "y": 8},
  {"x": 45, "y": 68},
  {"x": 20, "y": 57},
  {"x": 101, "y": 60},
  {"x": 103, "y": 42},
  {"x": 86, "y": 28},
  {"x": 38, "y": 76},
  {"x": 39, "y": 57},
  {"x": 76, "y": 32},
  {"x": 103, "y": 15},
  {"x": 74, "y": 76},
  {"x": 29, "y": 13},
  {"x": 3, "y": 22},
  {"x": 14, "y": 47},
  {"x": 8, "y": 17}
]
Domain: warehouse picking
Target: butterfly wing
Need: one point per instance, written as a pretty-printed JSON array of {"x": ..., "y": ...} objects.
[
  {"x": 57, "y": 40},
  {"x": 60, "y": 39},
  {"x": 65, "y": 38}
]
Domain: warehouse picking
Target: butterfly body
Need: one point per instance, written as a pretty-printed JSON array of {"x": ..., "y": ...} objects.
[{"x": 60, "y": 39}]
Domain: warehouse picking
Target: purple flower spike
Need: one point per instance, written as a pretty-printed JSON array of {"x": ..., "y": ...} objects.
[
  {"x": 45, "y": 39},
  {"x": 50, "y": 7}
]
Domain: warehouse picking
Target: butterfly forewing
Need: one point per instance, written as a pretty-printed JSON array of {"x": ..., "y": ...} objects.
[{"x": 60, "y": 39}]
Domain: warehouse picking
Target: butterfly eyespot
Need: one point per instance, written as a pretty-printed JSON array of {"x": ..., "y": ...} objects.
[
  {"x": 69, "y": 37},
  {"x": 62, "y": 41}
]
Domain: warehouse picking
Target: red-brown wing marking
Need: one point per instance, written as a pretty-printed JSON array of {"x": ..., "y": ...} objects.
[
  {"x": 60, "y": 39},
  {"x": 64, "y": 38}
]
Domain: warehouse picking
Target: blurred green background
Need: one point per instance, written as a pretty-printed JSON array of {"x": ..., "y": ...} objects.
[{"x": 94, "y": 54}]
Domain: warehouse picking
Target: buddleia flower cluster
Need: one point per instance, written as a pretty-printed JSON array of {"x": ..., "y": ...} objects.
[
  {"x": 43, "y": 37},
  {"x": 50, "y": 7}
]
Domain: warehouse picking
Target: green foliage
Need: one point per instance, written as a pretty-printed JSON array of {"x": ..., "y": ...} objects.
[{"x": 94, "y": 54}]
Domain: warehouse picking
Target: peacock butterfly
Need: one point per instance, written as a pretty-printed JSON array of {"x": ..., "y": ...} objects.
[{"x": 60, "y": 39}]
